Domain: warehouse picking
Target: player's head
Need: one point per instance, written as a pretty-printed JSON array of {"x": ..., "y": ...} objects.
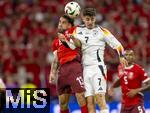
[
  {"x": 89, "y": 17},
  {"x": 129, "y": 56},
  {"x": 65, "y": 22}
]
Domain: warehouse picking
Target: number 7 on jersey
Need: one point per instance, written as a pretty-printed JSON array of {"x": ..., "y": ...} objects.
[{"x": 87, "y": 38}]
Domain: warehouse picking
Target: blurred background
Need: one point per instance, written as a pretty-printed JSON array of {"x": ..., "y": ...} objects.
[{"x": 28, "y": 27}]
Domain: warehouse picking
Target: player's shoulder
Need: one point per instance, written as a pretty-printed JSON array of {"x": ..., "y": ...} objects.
[
  {"x": 55, "y": 44},
  {"x": 120, "y": 67},
  {"x": 104, "y": 30},
  {"x": 55, "y": 40},
  {"x": 79, "y": 29},
  {"x": 70, "y": 30},
  {"x": 137, "y": 66}
]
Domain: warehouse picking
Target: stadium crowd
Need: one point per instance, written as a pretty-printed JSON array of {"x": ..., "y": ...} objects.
[{"x": 28, "y": 27}]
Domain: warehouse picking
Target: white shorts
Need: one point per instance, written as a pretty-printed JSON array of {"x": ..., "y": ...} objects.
[{"x": 95, "y": 79}]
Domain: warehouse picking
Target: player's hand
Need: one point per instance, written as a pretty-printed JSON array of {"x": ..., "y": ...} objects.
[
  {"x": 111, "y": 92},
  {"x": 123, "y": 61},
  {"x": 52, "y": 78},
  {"x": 132, "y": 93},
  {"x": 2, "y": 85},
  {"x": 110, "y": 95},
  {"x": 62, "y": 37}
]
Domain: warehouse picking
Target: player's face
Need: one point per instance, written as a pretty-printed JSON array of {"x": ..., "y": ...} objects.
[
  {"x": 129, "y": 55},
  {"x": 63, "y": 25},
  {"x": 89, "y": 21}
]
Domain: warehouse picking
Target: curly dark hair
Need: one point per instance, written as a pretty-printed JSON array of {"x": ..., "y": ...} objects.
[{"x": 70, "y": 20}]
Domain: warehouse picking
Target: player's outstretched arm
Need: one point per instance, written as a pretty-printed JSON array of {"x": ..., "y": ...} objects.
[
  {"x": 145, "y": 87},
  {"x": 115, "y": 44},
  {"x": 54, "y": 67}
]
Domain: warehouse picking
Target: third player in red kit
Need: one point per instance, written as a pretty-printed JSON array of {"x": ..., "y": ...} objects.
[{"x": 131, "y": 79}]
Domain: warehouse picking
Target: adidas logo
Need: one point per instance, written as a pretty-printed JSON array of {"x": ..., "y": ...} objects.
[
  {"x": 100, "y": 88},
  {"x": 80, "y": 33}
]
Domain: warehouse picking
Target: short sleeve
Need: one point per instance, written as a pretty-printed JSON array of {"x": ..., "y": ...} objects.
[
  {"x": 55, "y": 44},
  {"x": 69, "y": 32},
  {"x": 74, "y": 32}
]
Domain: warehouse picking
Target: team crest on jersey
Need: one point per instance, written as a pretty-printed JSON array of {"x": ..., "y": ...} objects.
[
  {"x": 95, "y": 32},
  {"x": 87, "y": 33},
  {"x": 130, "y": 76}
]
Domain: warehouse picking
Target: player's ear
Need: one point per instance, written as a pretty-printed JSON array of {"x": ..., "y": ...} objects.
[{"x": 83, "y": 18}]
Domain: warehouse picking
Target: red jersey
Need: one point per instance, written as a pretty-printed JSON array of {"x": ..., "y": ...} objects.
[
  {"x": 131, "y": 77},
  {"x": 65, "y": 54}
]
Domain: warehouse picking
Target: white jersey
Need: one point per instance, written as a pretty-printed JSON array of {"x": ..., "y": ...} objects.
[{"x": 93, "y": 43}]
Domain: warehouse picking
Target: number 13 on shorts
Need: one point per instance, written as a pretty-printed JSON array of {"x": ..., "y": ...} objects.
[{"x": 80, "y": 80}]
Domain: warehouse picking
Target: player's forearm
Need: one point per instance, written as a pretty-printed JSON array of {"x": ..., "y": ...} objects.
[
  {"x": 116, "y": 84},
  {"x": 76, "y": 42},
  {"x": 146, "y": 87},
  {"x": 54, "y": 66},
  {"x": 111, "y": 89},
  {"x": 73, "y": 43}
]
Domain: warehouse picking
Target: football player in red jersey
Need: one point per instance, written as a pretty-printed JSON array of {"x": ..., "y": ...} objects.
[
  {"x": 68, "y": 64},
  {"x": 133, "y": 81}
]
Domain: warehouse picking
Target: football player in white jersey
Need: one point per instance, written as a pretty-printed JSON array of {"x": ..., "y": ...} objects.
[{"x": 92, "y": 40}]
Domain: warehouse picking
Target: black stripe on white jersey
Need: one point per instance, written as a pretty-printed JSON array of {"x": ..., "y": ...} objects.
[
  {"x": 98, "y": 57},
  {"x": 102, "y": 70}
]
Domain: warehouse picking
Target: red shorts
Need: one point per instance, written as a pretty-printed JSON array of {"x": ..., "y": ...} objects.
[
  {"x": 139, "y": 108},
  {"x": 70, "y": 78}
]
